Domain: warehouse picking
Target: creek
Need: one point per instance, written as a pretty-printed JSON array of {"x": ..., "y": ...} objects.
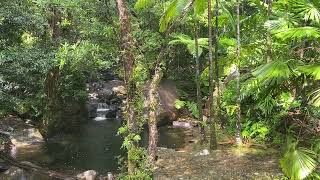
[{"x": 97, "y": 146}]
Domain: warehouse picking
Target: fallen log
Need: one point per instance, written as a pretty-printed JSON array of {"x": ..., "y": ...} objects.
[{"x": 29, "y": 167}]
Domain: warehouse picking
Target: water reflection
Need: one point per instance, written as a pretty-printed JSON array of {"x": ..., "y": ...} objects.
[{"x": 96, "y": 147}]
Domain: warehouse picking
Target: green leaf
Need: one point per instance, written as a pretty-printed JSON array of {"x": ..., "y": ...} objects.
[
  {"x": 136, "y": 138},
  {"x": 298, "y": 163},
  {"x": 312, "y": 69},
  {"x": 200, "y": 6},
  {"x": 172, "y": 12},
  {"x": 315, "y": 98},
  {"x": 180, "y": 104},
  {"x": 141, "y": 4},
  {"x": 298, "y": 33},
  {"x": 274, "y": 72},
  {"x": 190, "y": 43}
]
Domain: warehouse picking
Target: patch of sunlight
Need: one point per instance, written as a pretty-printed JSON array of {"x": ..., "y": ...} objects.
[
  {"x": 1, "y": 20},
  {"x": 28, "y": 39},
  {"x": 243, "y": 150}
]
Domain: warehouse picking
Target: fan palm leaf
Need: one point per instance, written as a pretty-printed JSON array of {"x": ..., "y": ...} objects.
[
  {"x": 298, "y": 33},
  {"x": 311, "y": 69},
  {"x": 274, "y": 72},
  {"x": 298, "y": 163},
  {"x": 315, "y": 98},
  {"x": 307, "y": 9},
  {"x": 190, "y": 43},
  {"x": 172, "y": 12}
]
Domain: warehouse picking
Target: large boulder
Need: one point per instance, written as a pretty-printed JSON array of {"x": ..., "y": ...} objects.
[
  {"x": 168, "y": 95},
  {"x": 26, "y": 137},
  {"x": 111, "y": 89}
]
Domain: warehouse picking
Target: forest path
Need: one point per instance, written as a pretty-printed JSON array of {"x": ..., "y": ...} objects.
[{"x": 226, "y": 163}]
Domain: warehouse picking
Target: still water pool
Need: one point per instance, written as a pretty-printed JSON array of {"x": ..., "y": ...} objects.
[{"x": 96, "y": 147}]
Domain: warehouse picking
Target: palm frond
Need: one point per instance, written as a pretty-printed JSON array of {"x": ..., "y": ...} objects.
[
  {"x": 306, "y": 9},
  {"x": 315, "y": 98},
  {"x": 298, "y": 163},
  {"x": 312, "y": 69},
  {"x": 172, "y": 12},
  {"x": 298, "y": 33},
  {"x": 274, "y": 72},
  {"x": 190, "y": 43}
]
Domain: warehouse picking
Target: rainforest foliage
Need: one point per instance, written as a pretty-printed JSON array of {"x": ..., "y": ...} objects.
[{"x": 251, "y": 67}]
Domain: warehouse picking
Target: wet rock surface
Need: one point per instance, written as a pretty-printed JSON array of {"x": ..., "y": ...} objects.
[
  {"x": 87, "y": 175},
  {"x": 220, "y": 164},
  {"x": 18, "y": 133},
  {"x": 106, "y": 89}
]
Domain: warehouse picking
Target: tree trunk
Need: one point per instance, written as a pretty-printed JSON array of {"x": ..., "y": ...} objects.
[
  {"x": 128, "y": 63},
  {"x": 213, "y": 138},
  {"x": 199, "y": 97},
  {"x": 154, "y": 99},
  {"x": 153, "y": 114},
  {"x": 238, "y": 121},
  {"x": 217, "y": 114},
  {"x": 51, "y": 83}
]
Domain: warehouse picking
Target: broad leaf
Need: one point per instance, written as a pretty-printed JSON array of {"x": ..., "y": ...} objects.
[
  {"x": 274, "y": 72},
  {"x": 141, "y": 4},
  {"x": 315, "y": 98},
  {"x": 298, "y": 163},
  {"x": 200, "y": 6},
  {"x": 313, "y": 70},
  {"x": 173, "y": 11},
  {"x": 298, "y": 33}
]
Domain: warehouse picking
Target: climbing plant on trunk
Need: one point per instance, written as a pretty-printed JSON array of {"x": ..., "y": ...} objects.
[{"x": 128, "y": 63}]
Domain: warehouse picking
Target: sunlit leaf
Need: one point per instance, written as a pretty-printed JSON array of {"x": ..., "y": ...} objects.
[{"x": 298, "y": 163}]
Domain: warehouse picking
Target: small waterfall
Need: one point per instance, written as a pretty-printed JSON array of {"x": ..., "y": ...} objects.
[{"x": 102, "y": 110}]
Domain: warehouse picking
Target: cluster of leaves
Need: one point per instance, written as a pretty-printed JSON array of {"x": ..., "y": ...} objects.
[
  {"x": 191, "y": 106},
  {"x": 38, "y": 36}
]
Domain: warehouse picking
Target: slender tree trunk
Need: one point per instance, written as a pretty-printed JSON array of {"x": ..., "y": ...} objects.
[
  {"x": 154, "y": 99},
  {"x": 238, "y": 122},
  {"x": 51, "y": 83},
  {"x": 269, "y": 39},
  {"x": 217, "y": 114},
  {"x": 153, "y": 114},
  {"x": 213, "y": 138},
  {"x": 199, "y": 96},
  {"x": 128, "y": 62}
]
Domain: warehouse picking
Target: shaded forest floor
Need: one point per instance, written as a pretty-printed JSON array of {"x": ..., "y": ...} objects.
[{"x": 227, "y": 163}]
